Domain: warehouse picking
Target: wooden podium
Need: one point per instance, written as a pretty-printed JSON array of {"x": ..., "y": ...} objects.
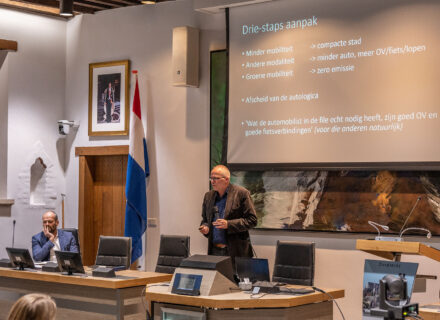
[{"x": 392, "y": 250}]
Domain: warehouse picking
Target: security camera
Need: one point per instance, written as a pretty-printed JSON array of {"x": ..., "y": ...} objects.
[{"x": 64, "y": 126}]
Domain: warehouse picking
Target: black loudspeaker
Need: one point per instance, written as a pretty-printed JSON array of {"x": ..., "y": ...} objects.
[
  {"x": 104, "y": 272},
  {"x": 219, "y": 263},
  {"x": 5, "y": 263},
  {"x": 51, "y": 267}
]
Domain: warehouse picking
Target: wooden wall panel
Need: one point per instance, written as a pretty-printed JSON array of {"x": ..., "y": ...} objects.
[
  {"x": 118, "y": 197},
  {"x": 101, "y": 197},
  {"x": 86, "y": 206}
]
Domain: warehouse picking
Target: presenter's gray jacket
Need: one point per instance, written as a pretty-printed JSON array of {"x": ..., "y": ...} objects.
[
  {"x": 240, "y": 213},
  {"x": 41, "y": 245}
]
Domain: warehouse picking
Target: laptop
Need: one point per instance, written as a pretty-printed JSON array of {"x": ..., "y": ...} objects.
[{"x": 252, "y": 268}]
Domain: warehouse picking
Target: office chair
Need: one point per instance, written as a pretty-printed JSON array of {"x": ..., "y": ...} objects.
[
  {"x": 114, "y": 252},
  {"x": 294, "y": 263},
  {"x": 74, "y": 232},
  {"x": 173, "y": 249}
]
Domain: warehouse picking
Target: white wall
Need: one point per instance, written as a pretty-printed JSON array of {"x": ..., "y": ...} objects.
[
  {"x": 177, "y": 117},
  {"x": 177, "y": 131},
  {"x": 35, "y": 95}
]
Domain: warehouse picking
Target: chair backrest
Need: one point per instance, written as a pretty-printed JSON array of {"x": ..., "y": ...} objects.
[
  {"x": 74, "y": 232},
  {"x": 114, "y": 251},
  {"x": 173, "y": 249},
  {"x": 294, "y": 263}
]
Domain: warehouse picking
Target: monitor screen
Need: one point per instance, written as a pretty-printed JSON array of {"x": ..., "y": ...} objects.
[
  {"x": 20, "y": 258},
  {"x": 254, "y": 269},
  {"x": 69, "y": 262},
  {"x": 187, "y": 284}
]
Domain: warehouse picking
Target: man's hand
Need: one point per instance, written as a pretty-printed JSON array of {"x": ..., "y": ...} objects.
[
  {"x": 220, "y": 224},
  {"x": 47, "y": 233},
  {"x": 204, "y": 229}
]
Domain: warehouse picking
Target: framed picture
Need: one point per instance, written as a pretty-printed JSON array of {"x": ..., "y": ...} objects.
[{"x": 109, "y": 98}]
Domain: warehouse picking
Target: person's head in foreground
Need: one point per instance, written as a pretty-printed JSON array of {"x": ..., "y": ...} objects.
[{"x": 34, "y": 306}]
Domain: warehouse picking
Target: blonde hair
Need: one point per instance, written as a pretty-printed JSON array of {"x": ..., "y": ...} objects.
[{"x": 34, "y": 306}]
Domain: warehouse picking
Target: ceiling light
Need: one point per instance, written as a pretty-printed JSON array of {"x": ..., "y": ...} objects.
[
  {"x": 149, "y": 2},
  {"x": 66, "y": 8}
]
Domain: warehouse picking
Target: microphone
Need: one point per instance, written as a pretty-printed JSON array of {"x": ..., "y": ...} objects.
[
  {"x": 13, "y": 232},
  {"x": 6, "y": 263},
  {"x": 415, "y": 205},
  {"x": 428, "y": 235},
  {"x": 402, "y": 230},
  {"x": 215, "y": 212},
  {"x": 185, "y": 247},
  {"x": 375, "y": 225}
]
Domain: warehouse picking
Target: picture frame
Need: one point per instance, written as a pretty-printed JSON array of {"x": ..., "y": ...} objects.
[{"x": 109, "y": 84}]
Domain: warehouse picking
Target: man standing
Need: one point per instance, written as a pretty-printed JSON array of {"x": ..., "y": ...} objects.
[
  {"x": 45, "y": 243},
  {"x": 227, "y": 215}
]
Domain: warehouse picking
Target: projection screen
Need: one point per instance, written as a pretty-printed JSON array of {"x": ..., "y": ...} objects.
[{"x": 341, "y": 81}]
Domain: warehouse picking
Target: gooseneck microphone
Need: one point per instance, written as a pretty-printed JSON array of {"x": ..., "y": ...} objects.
[
  {"x": 428, "y": 235},
  {"x": 185, "y": 246},
  {"x": 375, "y": 225},
  {"x": 415, "y": 205},
  {"x": 13, "y": 232},
  {"x": 402, "y": 230}
]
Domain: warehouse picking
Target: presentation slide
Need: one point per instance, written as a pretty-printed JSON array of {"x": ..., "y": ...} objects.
[{"x": 318, "y": 81}]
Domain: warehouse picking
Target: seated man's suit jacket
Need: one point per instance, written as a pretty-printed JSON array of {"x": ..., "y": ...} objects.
[{"x": 41, "y": 245}]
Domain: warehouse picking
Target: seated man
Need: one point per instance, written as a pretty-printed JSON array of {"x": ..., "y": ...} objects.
[{"x": 45, "y": 243}]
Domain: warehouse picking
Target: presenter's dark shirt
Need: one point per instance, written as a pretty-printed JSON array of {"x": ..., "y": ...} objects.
[{"x": 219, "y": 235}]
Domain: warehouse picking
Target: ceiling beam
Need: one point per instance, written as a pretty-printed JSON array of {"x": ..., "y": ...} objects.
[
  {"x": 128, "y": 2},
  {"x": 51, "y": 7},
  {"x": 54, "y": 4},
  {"x": 107, "y": 3},
  {"x": 92, "y": 4},
  {"x": 29, "y": 7},
  {"x": 8, "y": 45}
]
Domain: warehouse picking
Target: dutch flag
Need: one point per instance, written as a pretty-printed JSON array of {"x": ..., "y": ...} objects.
[{"x": 137, "y": 172}]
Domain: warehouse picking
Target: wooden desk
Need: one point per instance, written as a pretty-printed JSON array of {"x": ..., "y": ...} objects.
[
  {"x": 432, "y": 312},
  {"x": 81, "y": 297},
  {"x": 240, "y": 305},
  {"x": 392, "y": 249}
]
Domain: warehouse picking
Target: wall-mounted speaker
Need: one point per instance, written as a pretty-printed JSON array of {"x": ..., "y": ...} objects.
[{"x": 186, "y": 56}]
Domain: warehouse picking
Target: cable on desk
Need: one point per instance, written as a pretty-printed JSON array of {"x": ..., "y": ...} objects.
[
  {"x": 331, "y": 297},
  {"x": 258, "y": 295},
  {"x": 162, "y": 284}
]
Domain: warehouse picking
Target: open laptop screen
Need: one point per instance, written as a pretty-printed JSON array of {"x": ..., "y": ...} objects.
[{"x": 254, "y": 269}]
